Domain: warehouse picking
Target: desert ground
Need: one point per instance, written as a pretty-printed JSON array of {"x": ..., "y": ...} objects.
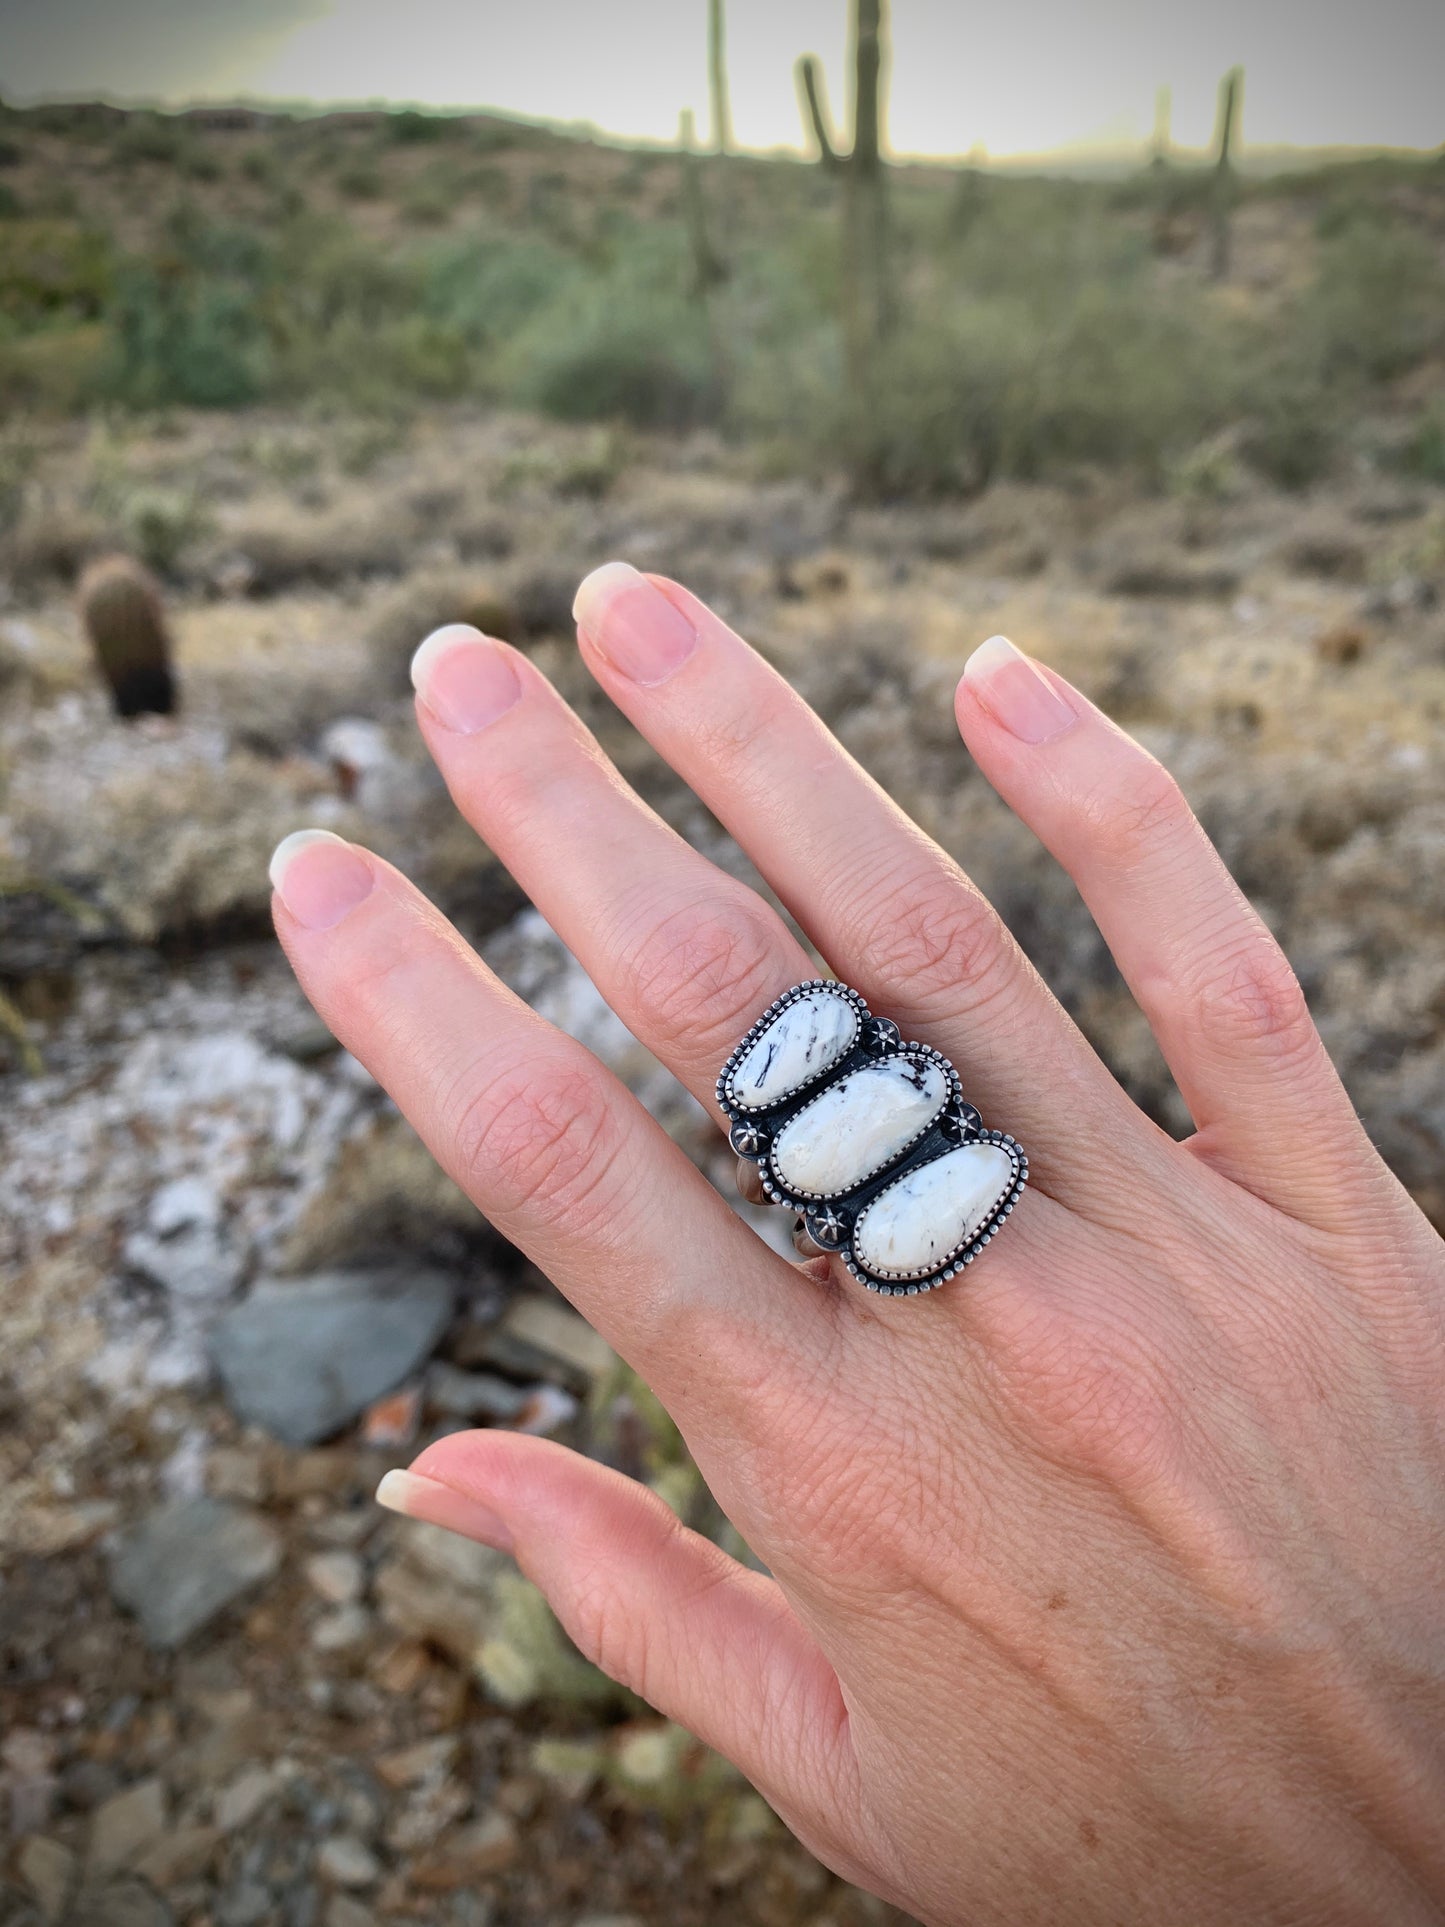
[{"x": 234, "y": 1691}]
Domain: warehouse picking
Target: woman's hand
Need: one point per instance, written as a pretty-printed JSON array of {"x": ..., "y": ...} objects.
[{"x": 1108, "y": 1580}]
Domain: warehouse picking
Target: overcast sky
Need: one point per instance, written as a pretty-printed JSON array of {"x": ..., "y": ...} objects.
[{"x": 1019, "y": 77}]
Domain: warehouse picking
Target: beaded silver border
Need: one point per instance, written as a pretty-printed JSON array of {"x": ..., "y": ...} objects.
[
  {"x": 778, "y": 1192},
  {"x": 964, "y": 1253},
  {"x": 831, "y": 1219},
  {"x": 733, "y": 1105}
]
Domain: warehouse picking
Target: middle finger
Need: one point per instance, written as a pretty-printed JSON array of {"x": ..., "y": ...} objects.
[{"x": 889, "y": 909}]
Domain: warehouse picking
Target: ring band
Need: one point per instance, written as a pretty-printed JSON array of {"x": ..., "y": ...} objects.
[{"x": 867, "y": 1137}]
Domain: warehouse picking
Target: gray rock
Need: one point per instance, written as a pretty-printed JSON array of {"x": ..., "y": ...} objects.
[
  {"x": 125, "y": 1827},
  {"x": 460, "y": 1394},
  {"x": 302, "y": 1357},
  {"x": 187, "y": 1562},
  {"x": 48, "y": 1870},
  {"x": 345, "y": 1861},
  {"x": 123, "y": 1903}
]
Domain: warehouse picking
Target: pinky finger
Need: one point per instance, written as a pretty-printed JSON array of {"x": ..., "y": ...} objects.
[
  {"x": 1220, "y": 996},
  {"x": 657, "y": 1607}
]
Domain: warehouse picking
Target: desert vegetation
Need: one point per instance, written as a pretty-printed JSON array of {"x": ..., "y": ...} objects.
[{"x": 373, "y": 263}]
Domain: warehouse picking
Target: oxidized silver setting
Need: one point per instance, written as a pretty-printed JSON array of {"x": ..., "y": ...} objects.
[{"x": 828, "y": 1221}]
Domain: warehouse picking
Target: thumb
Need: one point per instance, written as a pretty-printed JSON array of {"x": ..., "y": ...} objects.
[{"x": 657, "y": 1607}]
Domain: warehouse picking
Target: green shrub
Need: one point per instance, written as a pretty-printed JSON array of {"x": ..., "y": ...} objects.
[
  {"x": 153, "y": 137},
  {"x": 1376, "y": 306},
  {"x": 409, "y": 126},
  {"x": 360, "y": 181},
  {"x": 1292, "y": 434},
  {"x": 53, "y": 268},
  {"x": 197, "y": 342},
  {"x": 618, "y": 353},
  {"x": 1424, "y": 453}
]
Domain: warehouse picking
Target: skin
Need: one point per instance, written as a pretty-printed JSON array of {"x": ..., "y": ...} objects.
[{"x": 1106, "y": 1581}]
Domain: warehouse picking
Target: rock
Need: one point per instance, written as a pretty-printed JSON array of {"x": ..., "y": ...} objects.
[
  {"x": 17, "y": 1909},
  {"x": 121, "y": 1903},
  {"x": 303, "y": 1357},
  {"x": 545, "y": 1410},
  {"x": 245, "y": 1904},
  {"x": 339, "y": 1577},
  {"x": 807, "y": 1037},
  {"x": 459, "y": 1394},
  {"x": 185, "y": 1247},
  {"x": 345, "y": 1861},
  {"x": 537, "y": 1335},
  {"x": 858, "y": 1125},
  {"x": 126, "y": 1827},
  {"x": 29, "y": 1779},
  {"x": 342, "y": 1631},
  {"x": 179, "y": 1856},
  {"x": 573, "y": 1767},
  {"x": 472, "y": 1852},
  {"x": 439, "y": 1589},
  {"x": 430, "y": 1811},
  {"x": 343, "y": 1911},
  {"x": 232, "y": 1472},
  {"x": 425, "y": 1760},
  {"x": 238, "y": 1803},
  {"x": 922, "y": 1218},
  {"x": 48, "y": 1870},
  {"x": 394, "y": 1420},
  {"x": 187, "y": 1562},
  {"x": 87, "y": 1784}
]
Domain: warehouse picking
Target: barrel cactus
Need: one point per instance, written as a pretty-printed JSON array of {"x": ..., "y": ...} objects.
[{"x": 125, "y": 621}]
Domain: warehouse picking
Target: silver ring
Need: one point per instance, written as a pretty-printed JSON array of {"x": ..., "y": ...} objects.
[{"x": 868, "y": 1138}]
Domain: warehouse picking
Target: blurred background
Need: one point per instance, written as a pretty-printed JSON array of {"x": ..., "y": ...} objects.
[{"x": 1120, "y": 330}]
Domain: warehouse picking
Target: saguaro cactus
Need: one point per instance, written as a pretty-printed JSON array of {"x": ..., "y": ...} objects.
[
  {"x": 1230, "y": 89},
  {"x": 867, "y": 291},
  {"x": 717, "y": 74},
  {"x": 814, "y": 104},
  {"x": 708, "y": 266},
  {"x": 124, "y": 619},
  {"x": 1159, "y": 147}
]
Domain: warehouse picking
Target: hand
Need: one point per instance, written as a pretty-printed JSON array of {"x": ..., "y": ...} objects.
[{"x": 1107, "y": 1580}]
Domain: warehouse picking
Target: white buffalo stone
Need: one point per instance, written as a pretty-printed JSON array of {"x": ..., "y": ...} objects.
[
  {"x": 924, "y": 1217},
  {"x": 798, "y": 1045},
  {"x": 858, "y": 1125}
]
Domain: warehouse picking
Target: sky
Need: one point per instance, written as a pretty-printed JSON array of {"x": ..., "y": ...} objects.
[{"x": 1025, "y": 77}]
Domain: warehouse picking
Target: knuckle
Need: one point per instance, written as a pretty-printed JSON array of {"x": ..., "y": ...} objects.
[
  {"x": 540, "y": 1135},
  {"x": 607, "y": 1630},
  {"x": 1133, "y": 823},
  {"x": 729, "y": 737},
  {"x": 934, "y": 936},
  {"x": 700, "y": 971},
  {"x": 1091, "y": 1397},
  {"x": 1251, "y": 996}
]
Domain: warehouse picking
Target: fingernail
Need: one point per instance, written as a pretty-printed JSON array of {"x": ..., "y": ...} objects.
[
  {"x": 319, "y": 877},
  {"x": 436, "y": 1504},
  {"x": 1016, "y": 693},
  {"x": 630, "y": 621},
  {"x": 464, "y": 678}
]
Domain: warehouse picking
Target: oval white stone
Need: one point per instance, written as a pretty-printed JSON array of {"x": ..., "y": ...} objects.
[
  {"x": 858, "y": 1125},
  {"x": 928, "y": 1214},
  {"x": 798, "y": 1045}
]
